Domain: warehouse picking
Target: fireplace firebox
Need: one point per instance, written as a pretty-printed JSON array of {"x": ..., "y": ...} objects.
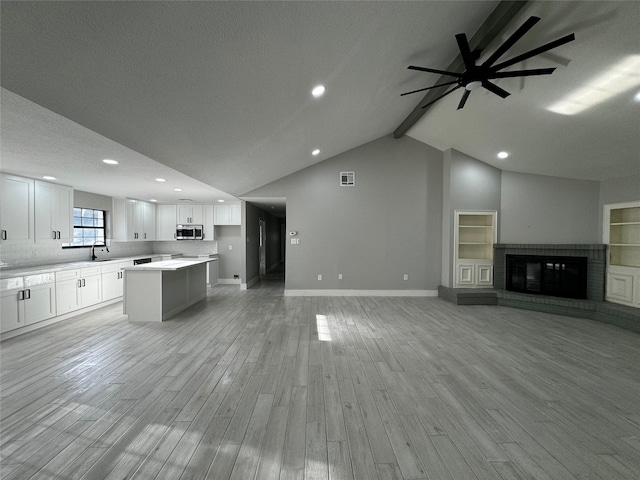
[{"x": 547, "y": 275}]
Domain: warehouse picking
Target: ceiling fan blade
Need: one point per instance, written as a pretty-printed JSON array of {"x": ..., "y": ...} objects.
[
  {"x": 428, "y": 88},
  {"x": 463, "y": 100},
  {"x": 443, "y": 95},
  {"x": 536, "y": 51},
  {"x": 493, "y": 88},
  {"x": 465, "y": 51},
  {"x": 522, "y": 73},
  {"x": 433, "y": 70},
  {"x": 517, "y": 35}
]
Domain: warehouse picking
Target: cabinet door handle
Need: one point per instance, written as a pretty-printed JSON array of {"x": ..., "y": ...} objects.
[
  {"x": 4, "y": 234},
  {"x": 59, "y": 235},
  {"x": 79, "y": 283},
  {"x": 21, "y": 295},
  {"x": 145, "y": 235},
  {"x": 27, "y": 294},
  {"x": 84, "y": 282},
  {"x": 53, "y": 234}
]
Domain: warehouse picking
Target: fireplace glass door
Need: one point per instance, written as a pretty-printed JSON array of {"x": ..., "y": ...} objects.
[{"x": 557, "y": 276}]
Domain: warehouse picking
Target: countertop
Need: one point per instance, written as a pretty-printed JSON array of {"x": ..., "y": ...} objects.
[
  {"x": 170, "y": 265},
  {"x": 57, "y": 267}
]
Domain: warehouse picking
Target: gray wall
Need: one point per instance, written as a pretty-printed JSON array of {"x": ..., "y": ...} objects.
[
  {"x": 468, "y": 184},
  {"x": 386, "y": 226},
  {"x": 542, "y": 209},
  {"x": 230, "y": 261}
]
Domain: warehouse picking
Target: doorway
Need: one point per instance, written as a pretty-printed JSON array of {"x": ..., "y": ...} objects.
[{"x": 263, "y": 247}]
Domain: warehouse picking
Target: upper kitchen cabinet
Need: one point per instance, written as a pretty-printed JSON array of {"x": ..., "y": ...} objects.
[
  {"x": 190, "y": 214},
  {"x": 166, "y": 219},
  {"x": 227, "y": 215},
  {"x": 53, "y": 212},
  {"x": 168, "y": 216},
  {"x": 133, "y": 220},
  {"x": 16, "y": 209}
]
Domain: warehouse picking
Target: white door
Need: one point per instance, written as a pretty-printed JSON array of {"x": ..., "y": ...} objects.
[
  {"x": 465, "y": 274},
  {"x": 41, "y": 303},
  {"x": 11, "y": 310}
]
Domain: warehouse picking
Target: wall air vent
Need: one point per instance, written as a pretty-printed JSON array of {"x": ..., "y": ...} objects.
[{"x": 347, "y": 179}]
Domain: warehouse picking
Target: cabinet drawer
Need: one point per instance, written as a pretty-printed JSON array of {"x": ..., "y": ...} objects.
[
  {"x": 68, "y": 275},
  {"x": 111, "y": 267},
  {"x": 41, "y": 279},
  {"x": 88, "y": 271},
  {"x": 15, "y": 283}
]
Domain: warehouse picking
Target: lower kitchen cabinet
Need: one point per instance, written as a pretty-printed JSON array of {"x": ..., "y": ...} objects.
[
  {"x": 28, "y": 300},
  {"x": 113, "y": 280},
  {"x": 78, "y": 288}
]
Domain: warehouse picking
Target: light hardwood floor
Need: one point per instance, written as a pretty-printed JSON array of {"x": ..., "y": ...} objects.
[{"x": 250, "y": 384}]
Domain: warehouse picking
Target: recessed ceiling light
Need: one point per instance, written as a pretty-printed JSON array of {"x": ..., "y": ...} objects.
[
  {"x": 637, "y": 97},
  {"x": 221, "y": 201},
  {"x": 318, "y": 91},
  {"x": 49, "y": 177},
  {"x": 177, "y": 189},
  {"x": 315, "y": 152},
  {"x": 108, "y": 161},
  {"x": 160, "y": 180},
  {"x": 153, "y": 200},
  {"x": 503, "y": 155}
]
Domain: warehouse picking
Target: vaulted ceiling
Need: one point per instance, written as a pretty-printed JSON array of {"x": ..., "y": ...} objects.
[{"x": 217, "y": 94}]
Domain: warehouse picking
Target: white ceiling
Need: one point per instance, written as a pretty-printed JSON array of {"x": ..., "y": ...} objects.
[{"x": 216, "y": 95}]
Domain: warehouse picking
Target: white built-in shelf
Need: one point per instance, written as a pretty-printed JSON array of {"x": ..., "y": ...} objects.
[
  {"x": 622, "y": 234},
  {"x": 475, "y": 234}
]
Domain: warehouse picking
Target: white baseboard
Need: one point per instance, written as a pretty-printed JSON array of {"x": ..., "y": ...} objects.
[
  {"x": 360, "y": 293},
  {"x": 244, "y": 286},
  {"x": 229, "y": 281}
]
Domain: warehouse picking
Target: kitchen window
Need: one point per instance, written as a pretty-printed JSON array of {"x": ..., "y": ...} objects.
[{"x": 88, "y": 227}]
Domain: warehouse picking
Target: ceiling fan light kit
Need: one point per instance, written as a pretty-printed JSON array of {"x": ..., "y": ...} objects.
[{"x": 476, "y": 76}]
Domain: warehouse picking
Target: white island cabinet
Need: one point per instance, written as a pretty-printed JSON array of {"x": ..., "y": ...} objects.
[{"x": 156, "y": 291}]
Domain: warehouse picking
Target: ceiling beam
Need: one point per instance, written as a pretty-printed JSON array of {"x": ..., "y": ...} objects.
[{"x": 488, "y": 31}]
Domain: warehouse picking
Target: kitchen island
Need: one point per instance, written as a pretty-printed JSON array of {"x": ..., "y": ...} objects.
[{"x": 154, "y": 292}]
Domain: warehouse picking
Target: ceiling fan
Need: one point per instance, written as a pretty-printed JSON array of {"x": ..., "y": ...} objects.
[{"x": 476, "y": 76}]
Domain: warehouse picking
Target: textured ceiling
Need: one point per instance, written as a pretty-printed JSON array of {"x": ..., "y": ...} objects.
[{"x": 220, "y": 91}]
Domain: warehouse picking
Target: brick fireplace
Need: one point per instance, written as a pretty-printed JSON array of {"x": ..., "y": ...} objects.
[{"x": 595, "y": 255}]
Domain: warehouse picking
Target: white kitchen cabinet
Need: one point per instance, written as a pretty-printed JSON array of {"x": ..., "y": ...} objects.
[
  {"x": 78, "y": 288},
  {"x": 133, "y": 220},
  {"x": 53, "y": 212},
  {"x": 227, "y": 215},
  {"x": 166, "y": 220},
  {"x": 113, "y": 280},
  {"x": 40, "y": 297},
  {"x": 11, "y": 304},
  {"x": 16, "y": 209},
  {"x": 209, "y": 230},
  {"x": 621, "y": 232},
  {"x": 475, "y": 232},
  {"x": 27, "y": 300},
  {"x": 190, "y": 214}
]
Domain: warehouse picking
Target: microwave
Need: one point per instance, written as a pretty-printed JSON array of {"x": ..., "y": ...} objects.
[{"x": 189, "y": 232}]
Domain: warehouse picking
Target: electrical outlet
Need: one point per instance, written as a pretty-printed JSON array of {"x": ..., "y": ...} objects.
[
  {"x": 230, "y": 247},
  {"x": 406, "y": 277},
  {"x": 339, "y": 276},
  {"x": 319, "y": 277}
]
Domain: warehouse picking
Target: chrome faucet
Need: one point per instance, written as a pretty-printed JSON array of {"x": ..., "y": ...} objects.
[{"x": 93, "y": 249}]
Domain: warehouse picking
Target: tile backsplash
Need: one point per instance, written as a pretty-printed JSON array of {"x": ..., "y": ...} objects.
[{"x": 12, "y": 256}]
